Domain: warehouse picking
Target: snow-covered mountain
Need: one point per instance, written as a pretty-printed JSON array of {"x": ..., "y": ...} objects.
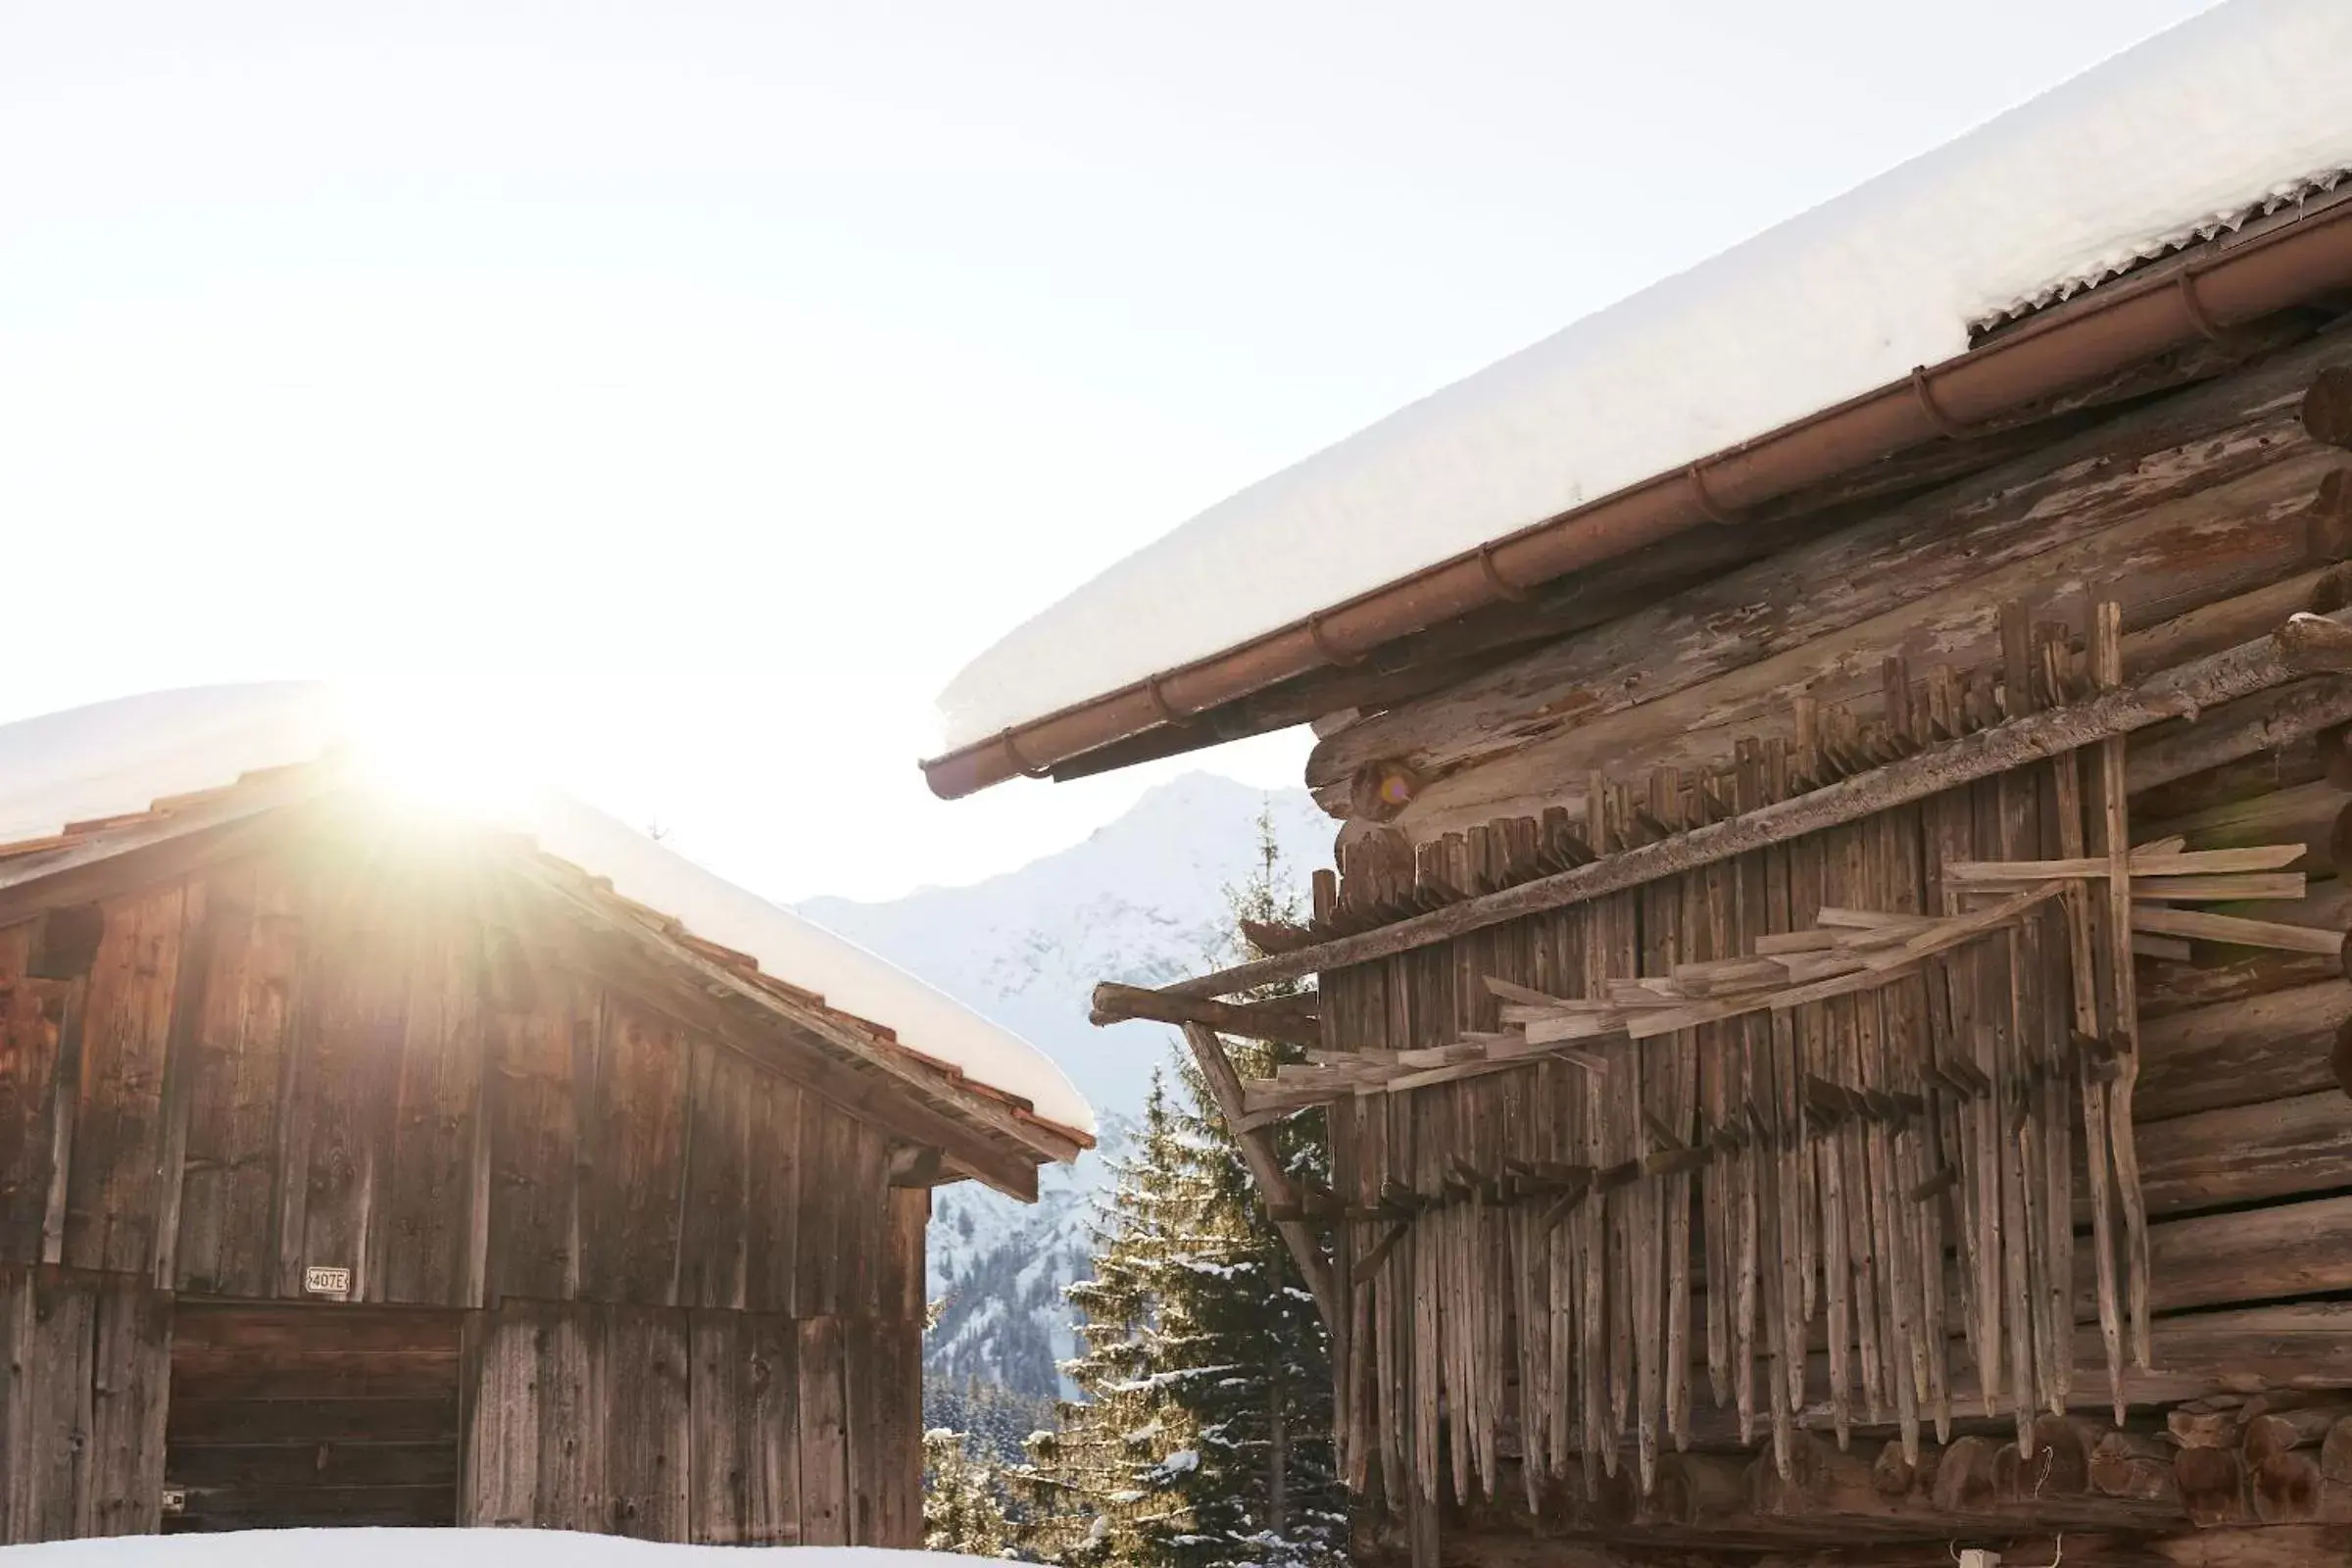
[{"x": 1142, "y": 901}]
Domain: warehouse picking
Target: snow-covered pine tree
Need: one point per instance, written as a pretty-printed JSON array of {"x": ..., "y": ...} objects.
[
  {"x": 963, "y": 1499},
  {"x": 1099, "y": 1483},
  {"x": 1262, "y": 1482},
  {"x": 1204, "y": 1437}
]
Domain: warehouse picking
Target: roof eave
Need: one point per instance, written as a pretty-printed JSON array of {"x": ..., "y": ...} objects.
[{"x": 2229, "y": 281}]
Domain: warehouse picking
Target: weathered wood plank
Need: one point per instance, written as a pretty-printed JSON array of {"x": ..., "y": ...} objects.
[
  {"x": 900, "y": 1292},
  {"x": 2245, "y": 1052},
  {"x": 539, "y": 1024},
  {"x": 130, "y": 1372},
  {"x": 52, "y": 1483},
  {"x": 865, "y": 1420},
  {"x": 370, "y": 1462},
  {"x": 866, "y": 1198},
  {"x": 648, "y": 1421},
  {"x": 771, "y": 1416},
  {"x": 897, "y": 1410},
  {"x": 431, "y": 1192},
  {"x": 228, "y": 1199},
  {"x": 575, "y": 1416},
  {"x": 629, "y": 1226},
  {"x": 816, "y": 1273},
  {"x": 114, "y": 1184},
  {"x": 772, "y": 1193},
  {"x": 2248, "y": 1153},
  {"x": 389, "y": 1419},
  {"x": 719, "y": 1491},
  {"x": 712, "y": 1243},
  {"x": 351, "y": 1023},
  {"x": 823, "y": 1439},
  {"x": 32, "y": 1017}
]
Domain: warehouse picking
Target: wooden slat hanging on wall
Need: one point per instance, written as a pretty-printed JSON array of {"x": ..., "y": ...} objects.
[{"x": 1887, "y": 1174}]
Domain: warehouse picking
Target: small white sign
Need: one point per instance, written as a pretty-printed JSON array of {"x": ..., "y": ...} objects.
[
  {"x": 318, "y": 1280},
  {"x": 176, "y": 1499}
]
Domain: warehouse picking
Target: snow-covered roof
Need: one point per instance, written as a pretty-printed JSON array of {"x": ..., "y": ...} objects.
[
  {"x": 2195, "y": 130},
  {"x": 119, "y": 757}
]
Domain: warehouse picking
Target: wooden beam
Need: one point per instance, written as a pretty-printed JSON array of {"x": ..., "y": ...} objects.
[
  {"x": 1253, "y": 1020},
  {"x": 2261, "y": 723},
  {"x": 1273, "y": 1182},
  {"x": 2191, "y": 688},
  {"x": 2164, "y": 457}
]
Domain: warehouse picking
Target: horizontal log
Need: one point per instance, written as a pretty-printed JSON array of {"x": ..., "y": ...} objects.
[
  {"x": 331, "y": 1330},
  {"x": 2237, "y": 538},
  {"x": 390, "y": 1420},
  {"x": 2262, "y": 1254},
  {"x": 346, "y": 1507},
  {"x": 2233, "y": 673},
  {"x": 2090, "y": 483},
  {"x": 205, "y": 1375},
  {"x": 1251, "y": 1020},
  {"x": 2270, "y": 762},
  {"x": 348, "y": 1463},
  {"x": 1512, "y": 1545},
  {"x": 2302, "y": 813},
  {"x": 2266, "y": 1047},
  {"x": 2247, "y": 1154}
]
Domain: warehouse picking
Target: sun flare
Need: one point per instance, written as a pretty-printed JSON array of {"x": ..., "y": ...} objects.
[{"x": 438, "y": 746}]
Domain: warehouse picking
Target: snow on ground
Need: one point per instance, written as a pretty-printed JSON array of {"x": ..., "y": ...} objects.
[
  {"x": 440, "y": 1549},
  {"x": 115, "y": 758},
  {"x": 2195, "y": 129}
]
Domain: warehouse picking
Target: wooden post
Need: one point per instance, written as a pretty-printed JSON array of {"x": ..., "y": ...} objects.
[
  {"x": 1273, "y": 1184},
  {"x": 2107, "y": 660}
]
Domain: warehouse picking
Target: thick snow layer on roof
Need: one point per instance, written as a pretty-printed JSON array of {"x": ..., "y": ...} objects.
[
  {"x": 118, "y": 758},
  {"x": 446, "y": 1548},
  {"x": 2194, "y": 129}
]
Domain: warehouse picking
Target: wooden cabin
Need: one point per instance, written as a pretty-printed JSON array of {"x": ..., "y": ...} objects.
[
  {"x": 1831, "y": 1015},
  {"x": 366, "y": 1162}
]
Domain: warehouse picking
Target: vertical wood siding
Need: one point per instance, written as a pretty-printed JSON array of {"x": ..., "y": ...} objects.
[
  {"x": 696, "y": 1424},
  {"x": 267, "y": 1067},
  {"x": 82, "y": 1375},
  {"x": 697, "y": 1303}
]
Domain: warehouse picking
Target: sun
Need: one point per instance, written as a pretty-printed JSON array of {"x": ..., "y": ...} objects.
[{"x": 442, "y": 748}]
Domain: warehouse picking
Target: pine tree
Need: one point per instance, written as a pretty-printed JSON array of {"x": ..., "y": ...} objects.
[
  {"x": 1264, "y": 1487},
  {"x": 963, "y": 1499},
  {"x": 1205, "y": 1437},
  {"x": 1107, "y": 1460}
]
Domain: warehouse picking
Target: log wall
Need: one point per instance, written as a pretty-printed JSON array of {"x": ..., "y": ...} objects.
[{"x": 1503, "y": 1340}]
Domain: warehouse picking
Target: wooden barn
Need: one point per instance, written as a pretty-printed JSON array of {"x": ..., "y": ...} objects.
[
  {"x": 367, "y": 1160},
  {"x": 1832, "y": 1017}
]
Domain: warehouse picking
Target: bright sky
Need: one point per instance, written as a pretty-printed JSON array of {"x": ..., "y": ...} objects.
[{"x": 697, "y": 386}]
